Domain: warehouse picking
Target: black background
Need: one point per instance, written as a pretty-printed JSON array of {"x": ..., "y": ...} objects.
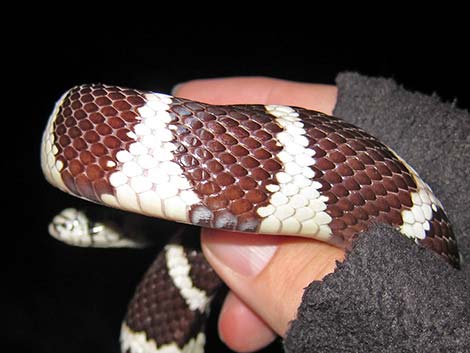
[{"x": 63, "y": 299}]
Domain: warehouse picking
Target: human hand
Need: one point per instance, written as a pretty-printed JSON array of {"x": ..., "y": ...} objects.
[{"x": 266, "y": 274}]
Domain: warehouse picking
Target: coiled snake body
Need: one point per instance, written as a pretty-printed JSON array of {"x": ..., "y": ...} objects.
[{"x": 266, "y": 169}]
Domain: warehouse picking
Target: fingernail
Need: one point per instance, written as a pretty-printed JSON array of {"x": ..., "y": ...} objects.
[{"x": 245, "y": 258}]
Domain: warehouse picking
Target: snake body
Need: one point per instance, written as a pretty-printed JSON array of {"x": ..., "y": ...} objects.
[{"x": 267, "y": 169}]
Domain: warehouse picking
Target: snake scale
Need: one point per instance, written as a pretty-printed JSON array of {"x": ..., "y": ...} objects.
[{"x": 267, "y": 169}]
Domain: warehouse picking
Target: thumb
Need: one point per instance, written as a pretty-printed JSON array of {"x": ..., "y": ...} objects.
[{"x": 269, "y": 273}]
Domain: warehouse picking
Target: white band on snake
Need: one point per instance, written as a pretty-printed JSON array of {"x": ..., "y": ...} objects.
[{"x": 251, "y": 168}]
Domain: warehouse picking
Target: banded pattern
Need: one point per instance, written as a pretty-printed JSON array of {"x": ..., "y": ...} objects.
[
  {"x": 167, "y": 313},
  {"x": 253, "y": 168},
  {"x": 270, "y": 169}
]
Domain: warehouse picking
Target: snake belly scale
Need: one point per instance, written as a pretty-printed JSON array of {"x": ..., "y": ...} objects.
[{"x": 267, "y": 169}]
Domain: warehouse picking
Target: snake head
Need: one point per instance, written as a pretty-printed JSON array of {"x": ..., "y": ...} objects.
[{"x": 73, "y": 227}]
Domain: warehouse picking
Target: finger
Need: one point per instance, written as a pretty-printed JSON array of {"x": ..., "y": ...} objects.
[
  {"x": 269, "y": 273},
  {"x": 260, "y": 90},
  {"x": 241, "y": 329}
]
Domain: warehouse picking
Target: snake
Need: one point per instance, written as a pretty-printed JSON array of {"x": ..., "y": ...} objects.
[{"x": 264, "y": 169}]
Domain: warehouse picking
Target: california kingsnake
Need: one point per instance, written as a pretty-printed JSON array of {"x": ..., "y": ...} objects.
[{"x": 252, "y": 168}]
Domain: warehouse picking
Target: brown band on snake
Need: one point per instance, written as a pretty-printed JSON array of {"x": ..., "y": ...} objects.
[
  {"x": 92, "y": 124},
  {"x": 228, "y": 152},
  {"x": 440, "y": 238},
  {"x": 362, "y": 179},
  {"x": 201, "y": 273}
]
